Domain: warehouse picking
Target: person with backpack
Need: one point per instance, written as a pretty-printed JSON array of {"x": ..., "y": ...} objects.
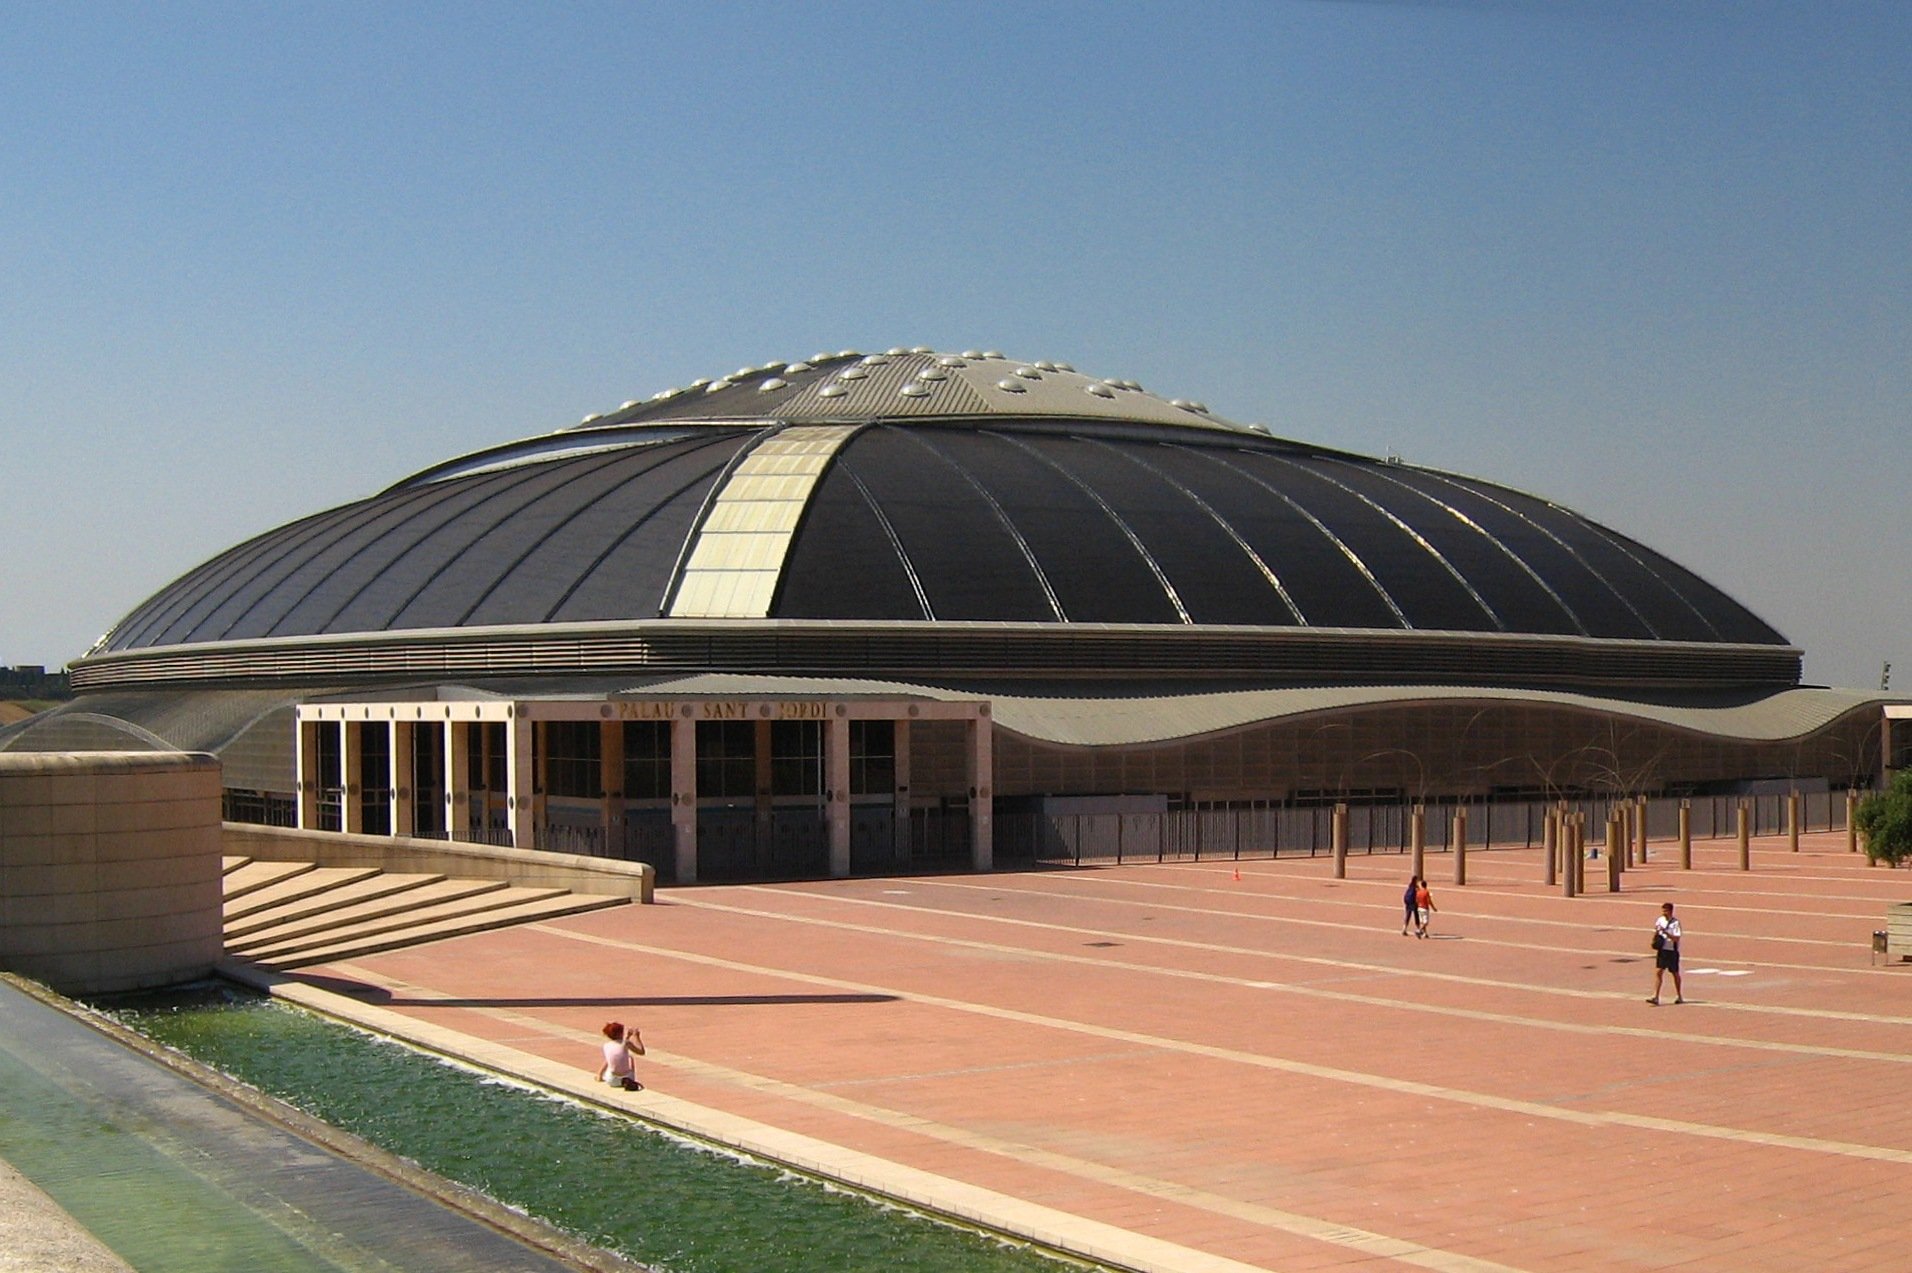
[{"x": 1666, "y": 953}]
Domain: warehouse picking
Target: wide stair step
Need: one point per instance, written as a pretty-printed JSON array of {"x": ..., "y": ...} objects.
[
  {"x": 383, "y": 893},
  {"x": 448, "y": 905},
  {"x": 290, "y": 914},
  {"x": 316, "y": 883},
  {"x": 505, "y": 917},
  {"x": 251, "y": 877}
]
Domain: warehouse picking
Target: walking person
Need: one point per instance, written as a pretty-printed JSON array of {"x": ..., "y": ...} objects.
[
  {"x": 1409, "y": 901},
  {"x": 1666, "y": 953},
  {"x": 1423, "y": 907}
]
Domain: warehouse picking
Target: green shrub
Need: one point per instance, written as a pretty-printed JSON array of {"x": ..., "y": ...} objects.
[{"x": 1885, "y": 820}]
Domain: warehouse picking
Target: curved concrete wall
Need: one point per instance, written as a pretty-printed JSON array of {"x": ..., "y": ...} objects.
[{"x": 109, "y": 868}]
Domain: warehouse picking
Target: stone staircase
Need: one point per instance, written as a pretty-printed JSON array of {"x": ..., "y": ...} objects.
[{"x": 291, "y": 914}]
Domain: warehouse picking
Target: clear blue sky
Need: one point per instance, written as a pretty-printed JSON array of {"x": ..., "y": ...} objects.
[{"x": 1650, "y": 259}]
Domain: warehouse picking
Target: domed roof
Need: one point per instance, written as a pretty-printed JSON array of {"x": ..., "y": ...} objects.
[{"x": 917, "y": 487}]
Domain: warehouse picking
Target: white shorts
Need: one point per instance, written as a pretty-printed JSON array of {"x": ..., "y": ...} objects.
[{"x": 1420, "y": 916}]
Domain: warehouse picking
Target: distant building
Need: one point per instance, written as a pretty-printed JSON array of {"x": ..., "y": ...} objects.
[
  {"x": 32, "y": 680},
  {"x": 845, "y": 614}
]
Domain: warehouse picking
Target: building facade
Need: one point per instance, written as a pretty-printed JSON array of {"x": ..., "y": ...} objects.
[{"x": 835, "y": 615}]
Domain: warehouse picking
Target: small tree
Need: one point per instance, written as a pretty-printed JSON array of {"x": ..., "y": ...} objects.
[{"x": 1885, "y": 820}]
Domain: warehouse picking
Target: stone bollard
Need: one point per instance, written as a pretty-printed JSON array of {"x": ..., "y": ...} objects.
[
  {"x": 1569, "y": 875},
  {"x": 1792, "y": 821},
  {"x": 1641, "y": 808},
  {"x": 1460, "y": 847},
  {"x": 1341, "y": 842},
  {"x": 1616, "y": 848},
  {"x": 1580, "y": 851},
  {"x": 1686, "y": 835},
  {"x": 1417, "y": 840},
  {"x": 1550, "y": 846},
  {"x": 1745, "y": 838},
  {"x": 1852, "y": 829}
]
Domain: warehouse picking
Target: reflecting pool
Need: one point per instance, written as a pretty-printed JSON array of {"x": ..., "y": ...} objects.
[{"x": 612, "y": 1182}]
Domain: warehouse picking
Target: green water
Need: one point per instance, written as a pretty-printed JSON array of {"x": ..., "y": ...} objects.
[
  {"x": 610, "y": 1181},
  {"x": 128, "y": 1182}
]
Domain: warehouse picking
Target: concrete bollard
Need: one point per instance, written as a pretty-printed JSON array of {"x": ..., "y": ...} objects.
[
  {"x": 1460, "y": 847},
  {"x": 1641, "y": 809},
  {"x": 1852, "y": 830},
  {"x": 1417, "y": 840},
  {"x": 1569, "y": 875},
  {"x": 1686, "y": 835},
  {"x": 1550, "y": 846},
  {"x": 1792, "y": 821},
  {"x": 1341, "y": 842},
  {"x": 1616, "y": 848},
  {"x": 1580, "y": 851},
  {"x": 1745, "y": 838}
]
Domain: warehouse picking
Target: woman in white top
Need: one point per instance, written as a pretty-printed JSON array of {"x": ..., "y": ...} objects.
[{"x": 620, "y": 1045}]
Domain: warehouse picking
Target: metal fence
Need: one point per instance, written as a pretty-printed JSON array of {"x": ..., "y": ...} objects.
[{"x": 1206, "y": 834}]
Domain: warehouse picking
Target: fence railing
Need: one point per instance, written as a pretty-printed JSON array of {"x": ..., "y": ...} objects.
[{"x": 1199, "y": 834}]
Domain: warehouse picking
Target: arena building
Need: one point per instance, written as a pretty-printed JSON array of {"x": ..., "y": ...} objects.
[{"x": 856, "y": 612}]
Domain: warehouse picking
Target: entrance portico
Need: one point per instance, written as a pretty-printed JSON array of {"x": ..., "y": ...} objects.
[{"x": 703, "y": 787}]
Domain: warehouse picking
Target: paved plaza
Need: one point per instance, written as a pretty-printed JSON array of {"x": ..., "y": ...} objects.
[{"x": 1210, "y": 1066}]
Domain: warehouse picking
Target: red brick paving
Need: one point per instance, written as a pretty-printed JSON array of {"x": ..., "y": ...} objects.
[{"x": 1264, "y": 1069}]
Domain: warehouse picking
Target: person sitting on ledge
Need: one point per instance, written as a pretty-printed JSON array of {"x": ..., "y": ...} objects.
[{"x": 620, "y": 1045}]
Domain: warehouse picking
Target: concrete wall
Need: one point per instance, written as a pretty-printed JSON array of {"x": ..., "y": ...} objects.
[
  {"x": 109, "y": 868},
  {"x": 530, "y": 868}
]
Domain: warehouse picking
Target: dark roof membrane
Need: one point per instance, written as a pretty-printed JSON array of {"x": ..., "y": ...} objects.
[
  {"x": 979, "y": 523},
  {"x": 1160, "y": 516}
]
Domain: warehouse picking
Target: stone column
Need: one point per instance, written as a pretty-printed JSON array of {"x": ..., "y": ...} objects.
[
  {"x": 684, "y": 796},
  {"x": 1852, "y": 829},
  {"x": 520, "y": 780},
  {"x": 351, "y": 780},
  {"x": 763, "y": 785},
  {"x": 1745, "y": 838},
  {"x": 611, "y": 781},
  {"x": 1792, "y": 821},
  {"x": 1617, "y": 846},
  {"x": 457, "y": 780},
  {"x": 982, "y": 784},
  {"x": 900, "y": 736},
  {"x": 836, "y": 791},
  {"x": 305, "y": 763},
  {"x": 1340, "y": 840},
  {"x": 399, "y": 779},
  {"x": 1686, "y": 835}
]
